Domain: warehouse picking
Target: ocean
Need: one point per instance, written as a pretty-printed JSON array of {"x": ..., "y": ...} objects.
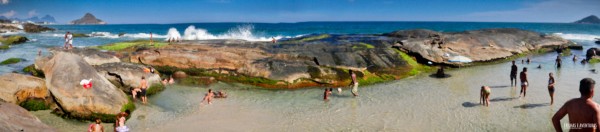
[{"x": 105, "y": 34}]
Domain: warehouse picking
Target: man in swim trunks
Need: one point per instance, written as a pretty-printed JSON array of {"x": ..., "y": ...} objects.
[
  {"x": 354, "y": 83},
  {"x": 524, "y": 82},
  {"x": 144, "y": 87},
  {"x": 551, "y": 88},
  {"x": 485, "y": 95},
  {"x": 584, "y": 113},
  {"x": 513, "y": 74},
  {"x": 558, "y": 61}
]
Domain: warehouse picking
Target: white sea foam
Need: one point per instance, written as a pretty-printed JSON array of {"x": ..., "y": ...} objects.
[
  {"x": 244, "y": 32},
  {"x": 577, "y": 36},
  {"x": 114, "y": 36},
  {"x": 173, "y": 34}
]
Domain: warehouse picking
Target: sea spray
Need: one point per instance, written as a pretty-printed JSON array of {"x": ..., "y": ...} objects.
[
  {"x": 569, "y": 36},
  {"x": 173, "y": 34},
  {"x": 244, "y": 32}
]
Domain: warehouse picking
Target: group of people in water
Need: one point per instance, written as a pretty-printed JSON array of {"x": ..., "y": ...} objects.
[
  {"x": 584, "y": 113},
  {"x": 354, "y": 84}
]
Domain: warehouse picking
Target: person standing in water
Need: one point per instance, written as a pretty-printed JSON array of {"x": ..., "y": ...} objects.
[
  {"x": 327, "y": 93},
  {"x": 513, "y": 74},
  {"x": 551, "y": 83},
  {"x": 558, "y": 61},
  {"x": 574, "y": 58},
  {"x": 485, "y": 95},
  {"x": 144, "y": 88},
  {"x": 354, "y": 83},
  {"x": 584, "y": 113},
  {"x": 524, "y": 82}
]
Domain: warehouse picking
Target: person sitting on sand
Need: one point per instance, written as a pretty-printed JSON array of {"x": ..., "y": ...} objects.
[
  {"x": 96, "y": 126},
  {"x": 354, "y": 83},
  {"x": 485, "y": 95},
  {"x": 513, "y": 74},
  {"x": 584, "y": 113},
  {"x": 558, "y": 61},
  {"x": 551, "y": 83},
  {"x": 208, "y": 97},
  {"x": 524, "y": 82}
]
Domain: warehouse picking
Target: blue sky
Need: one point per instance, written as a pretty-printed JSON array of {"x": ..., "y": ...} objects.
[{"x": 183, "y": 11}]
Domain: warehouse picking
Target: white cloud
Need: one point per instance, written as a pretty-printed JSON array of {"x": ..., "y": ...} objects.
[
  {"x": 545, "y": 11},
  {"x": 9, "y": 13},
  {"x": 4, "y": 2},
  {"x": 31, "y": 13}
]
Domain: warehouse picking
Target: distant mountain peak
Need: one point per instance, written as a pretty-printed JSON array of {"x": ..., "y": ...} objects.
[
  {"x": 592, "y": 19},
  {"x": 88, "y": 18}
]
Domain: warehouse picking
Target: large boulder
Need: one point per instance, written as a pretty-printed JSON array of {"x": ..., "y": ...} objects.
[
  {"x": 14, "y": 39},
  {"x": 127, "y": 75},
  {"x": 16, "y": 119},
  {"x": 17, "y": 88},
  {"x": 32, "y": 28},
  {"x": 477, "y": 45},
  {"x": 64, "y": 71},
  {"x": 91, "y": 56},
  {"x": 590, "y": 53}
]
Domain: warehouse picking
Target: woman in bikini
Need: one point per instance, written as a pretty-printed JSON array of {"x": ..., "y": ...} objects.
[{"x": 551, "y": 83}]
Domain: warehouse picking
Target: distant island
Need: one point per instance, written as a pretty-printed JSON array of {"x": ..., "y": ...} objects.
[
  {"x": 88, "y": 18},
  {"x": 592, "y": 19},
  {"x": 47, "y": 19}
]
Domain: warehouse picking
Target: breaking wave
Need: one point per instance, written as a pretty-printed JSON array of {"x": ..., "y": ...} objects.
[
  {"x": 577, "y": 36},
  {"x": 244, "y": 32}
]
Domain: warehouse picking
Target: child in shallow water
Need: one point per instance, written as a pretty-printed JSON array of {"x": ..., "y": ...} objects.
[{"x": 485, "y": 95}]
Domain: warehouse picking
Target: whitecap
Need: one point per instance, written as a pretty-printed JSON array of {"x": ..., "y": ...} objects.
[{"x": 577, "y": 36}]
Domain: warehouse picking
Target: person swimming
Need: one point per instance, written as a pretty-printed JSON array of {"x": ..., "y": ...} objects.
[
  {"x": 96, "y": 126},
  {"x": 485, "y": 95},
  {"x": 528, "y": 60},
  {"x": 574, "y": 58},
  {"x": 583, "y": 111},
  {"x": 220, "y": 94},
  {"x": 551, "y": 83},
  {"x": 171, "y": 80}
]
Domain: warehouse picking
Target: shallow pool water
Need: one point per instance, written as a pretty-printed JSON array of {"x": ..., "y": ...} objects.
[{"x": 418, "y": 103}]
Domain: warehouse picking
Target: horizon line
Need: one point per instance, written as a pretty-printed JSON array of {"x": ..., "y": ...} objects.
[{"x": 318, "y": 21}]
